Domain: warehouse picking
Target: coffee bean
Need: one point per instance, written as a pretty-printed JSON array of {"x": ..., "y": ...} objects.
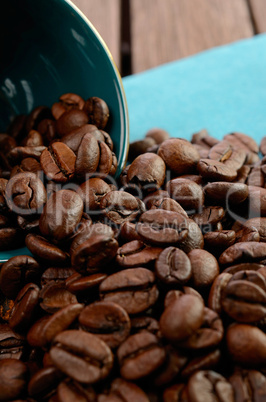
[
  {"x": 97, "y": 111},
  {"x": 140, "y": 355},
  {"x": 136, "y": 254},
  {"x": 16, "y": 272},
  {"x": 134, "y": 289},
  {"x": 147, "y": 171},
  {"x": 179, "y": 155},
  {"x": 24, "y": 308},
  {"x": 13, "y": 379},
  {"x": 246, "y": 345},
  {"x": 61, "y": 214},
  {"x": 173, "y": 266},
  {"x": 58, "y": 162},
  {"x": 82, "y": 356},
  {"x": 107, "y": 320},
  {"x": 205, "y": 268},
  {"x": 162, "y": 228},
  {"x": 70, "y": 120},
  {"x": 182, "y": 317},
  {"x": 244, "y": 297},
  {"x": 209, "y": 385},
  {"x": 25, "y": 194},
  {"x": 41, "y": 248}
]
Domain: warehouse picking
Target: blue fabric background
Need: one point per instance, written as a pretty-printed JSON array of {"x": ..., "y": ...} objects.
[{"x": 222, "y": 90}]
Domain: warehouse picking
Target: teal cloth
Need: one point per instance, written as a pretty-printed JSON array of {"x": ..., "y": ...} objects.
[{"x": 222, "y": 90}]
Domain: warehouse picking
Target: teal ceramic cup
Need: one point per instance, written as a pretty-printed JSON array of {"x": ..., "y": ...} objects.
[{"x": 48, "y": 48}]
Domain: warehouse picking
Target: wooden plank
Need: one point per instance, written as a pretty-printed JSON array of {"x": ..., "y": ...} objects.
[
  {"x": 162, "y": 31},
  {"x": 105, "y": 16},
  {"x": 258, "y": 8}
]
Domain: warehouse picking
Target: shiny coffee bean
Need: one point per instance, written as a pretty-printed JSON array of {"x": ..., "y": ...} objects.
[
  {"x": 97, "y": 111},
  {"x": 140, "y": 355},
  {"x": 25, "y": 194},
  {"x": 45, "y": 250},
  {"x": 107, "y": 320},
  {"x": 58, "y": 162},
  {"x": 162, "y": 228},
  {"x": 173, "y": 266},
  {"x": 179, "y": 155},
  {"x": 81, "y": 356},
  {"x": 16, "y": 272},
  {"x": 134, "y": 289},
  {"x": 136, "y": 254},
  {"x": 209, "y": 385}
]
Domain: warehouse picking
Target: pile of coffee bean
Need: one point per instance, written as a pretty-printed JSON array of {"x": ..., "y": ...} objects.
[{"x": 146, "y": 288}]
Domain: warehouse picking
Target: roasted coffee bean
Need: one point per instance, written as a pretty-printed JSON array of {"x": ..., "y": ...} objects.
[
  {"x": 136, "y": 254},
  {"x": 175, "y": 393},
  {"x": 94, "y": 253},
  {"x": 140, "y": 355},
  {"x": 147, "y": 171},
  {"x": 25, "y": 194},
  {"x": 257, "y": 201},
  {"x": 246, "y": 143},
  {"x": 209, "y": 386},
  {"x": 244, "y": 266},
  {"x": 82, "y": 356},
  {"x": 61, "y": 214},
  {"x": 124, "y": 391},
  {"x": 162, "y": 228},
  {"x": 78, "y": 284},
  {"x": 128, "y": 232},
  {"x": 19, "y": 153},
  {"x": 226, "y": 193},
  {"x": 179, "y": 155},
  {"x": 141, "y": 323},
  {"x": 46, "y": 128},
  {"x": 216, "y": 291},
  {"x": 54, "y": 296},
  {"x": 204, "y": 266},
  {"x": 194, "y": 239},
  {"x": 44, "y": 250},
  {"x": 70, "y": 391},
  {"x": 120, "y": 206},
  {"x": 97, "y": 111},
  {"x": 246, "y": 345},
  {"x": 35, "y": 116},
  {"x": 13, "y": 379},
  {"x": 244, "y": 297},
  {"x": 216, "y": 171},
  {"x": 157, "y": 134},
  {"x": 67, "y": 102},
  {"x": 10, "y": 238},
  {"x": 107, "y": 320},
  {"x": 182, "y": 317},
  {"x": 16, "y": 272},
  {"x": 187, "y": 193},
  {"x": 173, "y": 266},
  {"x": 139, "y": 147},
  {"x": 243, "y": 252},
  {"x": 70, "y": 120},
  {"x": 210, "y": 333},
  {"x": 134, "y": 289},
  {"x": 12, "y": 345},
  {"x": 209, "y": 216},
  {"x": 58, "y": 274},
  {"x": 24, "y": 308},
  {"x": 44, "y": 382},
  {"x": 249, "y": 384},
  {"x": 205, "y": 361},
  {"x": 92, "y": 191},
  {"x": 217, "y": 242},
  {"x": 45, "y": 330},
  {"x": 58, "y": 162}
]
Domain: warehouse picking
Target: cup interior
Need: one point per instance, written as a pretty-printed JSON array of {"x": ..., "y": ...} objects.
[{"x": 49, "y": 48}]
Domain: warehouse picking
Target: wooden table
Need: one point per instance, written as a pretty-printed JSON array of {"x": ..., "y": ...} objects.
[{"x": 142, "y": 34}]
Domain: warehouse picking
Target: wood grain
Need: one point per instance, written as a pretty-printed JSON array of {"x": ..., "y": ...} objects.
[
  {"x": 105, "y": 16},
  {"x": 258, "y": 8},
  {"x": 162, "y": 31}
]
